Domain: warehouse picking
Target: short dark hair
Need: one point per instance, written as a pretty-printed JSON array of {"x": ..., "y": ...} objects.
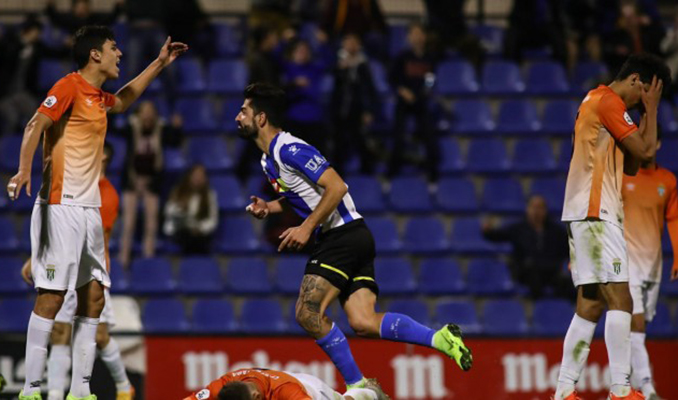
[
  {"x": 647, "y": 66},
  {"x": 269, "y": 99},
  {"x": 88, "y": 38},
  {"x": 234, "y": 391}
]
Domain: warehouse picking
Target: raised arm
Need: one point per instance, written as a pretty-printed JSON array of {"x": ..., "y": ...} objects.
[
  {"x": 35, "y": 127},
  {"x": 642, "y": 144},
  {"x": 129, "y": 93}
]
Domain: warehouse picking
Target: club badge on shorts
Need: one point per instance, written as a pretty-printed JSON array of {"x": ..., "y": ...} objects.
[
  {"x": 616, "y": 263},
  {"x": 51, "y": 268}
]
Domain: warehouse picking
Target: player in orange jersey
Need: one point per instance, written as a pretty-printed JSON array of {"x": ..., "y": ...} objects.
[
  {"x": 267, "y": 384},
  {"x": 650, "y": 198},
  {"x": 606, "y": 143},
  {"x": 59, "y": 362},
  {"x": 67, "y": 238}
]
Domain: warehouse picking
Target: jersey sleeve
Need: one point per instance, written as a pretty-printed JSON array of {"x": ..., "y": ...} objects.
[
  {"x": 210, "y": 392},
  {"x": 109, "y": 100},
  {"x": 59, "y": 99},
  {"x": 305, "y": 159},
  {"x": 671, "y": 212},
  {"x": 613, "y": 115},
  {"x": 292, "y": 392}
]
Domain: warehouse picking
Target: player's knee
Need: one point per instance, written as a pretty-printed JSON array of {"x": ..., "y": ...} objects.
[
  {"x": 48, "y": 303},
  {"x": 61, "y": 334},
  {"x": 364, "y": 325},
  {"x": 308, "y": 318},
  {"x": 102, "y": 337},
  {"x": 591, "y": 311}
]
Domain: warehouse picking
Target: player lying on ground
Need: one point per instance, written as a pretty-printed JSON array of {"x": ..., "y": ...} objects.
[
  {"x": 59, "y": 362},
  {"x": 650, "y": 198},
  {"x": 67, "y": 237},
  {"x": 606, "y": 143},
  {"x": 267, "y": 384},
  {"x": 342, "y": 264}
]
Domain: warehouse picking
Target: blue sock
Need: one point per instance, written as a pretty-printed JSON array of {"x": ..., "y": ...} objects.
[
  {"x": 335, "y": 345},
  {"x": 401, "y": 328}
]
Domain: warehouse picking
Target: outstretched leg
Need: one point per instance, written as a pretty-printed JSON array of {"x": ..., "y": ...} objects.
[{"x": 315, "y": 296}]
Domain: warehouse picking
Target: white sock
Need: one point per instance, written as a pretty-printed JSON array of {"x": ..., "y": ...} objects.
[
  {"x": 84, "y": 353},
  {"x": 361, "y": 394},
  {"x": 37, "y": 338},
  {"x": 575, "y": 352},
  {"x": 58, "y": 365},
  {"x": 110, "y": 355},
  {"x": 641, "y": 374},
  {"x": 617, "y": 340}
]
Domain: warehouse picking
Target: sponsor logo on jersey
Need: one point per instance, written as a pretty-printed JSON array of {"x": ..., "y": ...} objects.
[
  {"x": 89, "y": 102},
  {"x": 50, "y": 101},
  {"x": 315, "y": 163},
  {"x": 203, "y": 394},
  {"x": 294, "y": 149}
]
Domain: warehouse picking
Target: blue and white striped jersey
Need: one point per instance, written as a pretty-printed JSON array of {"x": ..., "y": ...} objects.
[{"x": 293, "y": 168}]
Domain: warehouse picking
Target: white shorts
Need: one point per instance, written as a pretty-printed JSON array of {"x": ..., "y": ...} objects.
[
  {"x": 597, "y": 252},
  {"x": 317, "y": 389},
  {"x": 70, "y": 306},
  {"x": 645, "y": 296},
  {"x": 67, "y": 247}
]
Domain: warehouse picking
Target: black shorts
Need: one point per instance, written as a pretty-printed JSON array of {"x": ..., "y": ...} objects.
[{"x": 345, "y": 257}]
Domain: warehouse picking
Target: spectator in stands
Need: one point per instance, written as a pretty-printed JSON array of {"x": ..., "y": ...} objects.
[
  {"x": 274, "y": 14},
  {"x": 146, "y": 33},
  {"x": 192, "y": 212},
  {"x": 358, "y": 17},
  {"x": 146, "y": 133},
  {"x": 302, "y": 78},
  {"x": 81, "y": 14},
  {"x": 669, "y": 47},
  {"x": 540, "y": 249},
  {"x": 412, "y": 75},
  {"x": 354, "y": 103},
  {"x": 637, "y": 31},
  {"x": 447, "y": 21},
  {"x": 534, "y": 24},
  {"x": 186, "y": 22},
  {"x": 21, "y": 52},
  {"x": 584, "y": 30}
]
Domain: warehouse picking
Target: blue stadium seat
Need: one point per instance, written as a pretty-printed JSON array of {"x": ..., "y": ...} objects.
[
  {"x": 229, "y": 40},
  {"x": 533, "y": 156},
  {"x": 662, "y": 325},
  {"x": 213, "y": 316},
  {"x": 210, "y": 152},
  {"x": 440, "y": 277},
  {"x": 487, "y": 156},
  {"x": 200, "y": 275},
  {"x": 667, "y": 287},
  {"x": 293, "y": 327},
  {"x": 456, "y": 78},
  {"x": 451, "y": 161},
  {"x": 565, "y": 155},
  {"x": 386, "y": 237},
  {"x": 559, "y": 117},
  {"x": 164, "y": 316},
  {"x": 395, "y": 276},
  {"x": 547, "y": 78},
  {"x": 229, "y": 111},
  {"x": 426, "y": 235},
  {"x": 472, "y": 117},
  {"x": 236, "y": 235},
  {"x": 119, "y": 277},
  {"x": 10, "y": 239},
  {"x": 489, "y": 277},
  {"x": 174, "y": 160},
  {"x": 11, "y": 282},
  {"x": 415, "y": 309},
  {"x": 553, "y": 190},
  {"x": 289, "y": 272},
  {"x": 119, "y": 145},
  {"x": 551, "y": 317},
  {"x": 666, "y": 156},
  {"x": 197, "y": 113},
  {"x": 410, "y": 195},
  {"x": 587, "y": 75},
  {"x": 248, "y": 276},
  {"x": 457, "y": 195},
  {"x": 518, "y": 117},
  {"x": 666, "y": 117},
  {"x": 491, "y": 36},
  {"x": 502, "y": 77},
  {"x": 151, "y": 276},
  {"x": 504, "y": 318},
  {"x": 503, "y": 195},
  {"x": 261, "y": 316},
  {"x": 227, "y": 76},
  {"x": 25, "y": 240},
  {"x": 467, "y": 237},
  {"x": 229, "y": 193},
  {"x": 366, "y": 193},
  {"x": 380, "y": 78},
  {"x": 14, "y": 315},
  {"x": 190, "y": 76},
  {"x": 49, "y": 72},
  {"x": 397, "y": 36},
  {"x": 256, "y": 185},
  {"x": 462, "y": 313},
  {"x": 10, "y": 148}
]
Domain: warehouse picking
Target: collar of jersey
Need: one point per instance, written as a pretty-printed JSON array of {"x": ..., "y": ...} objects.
[{"x": 273, "y": 142}]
